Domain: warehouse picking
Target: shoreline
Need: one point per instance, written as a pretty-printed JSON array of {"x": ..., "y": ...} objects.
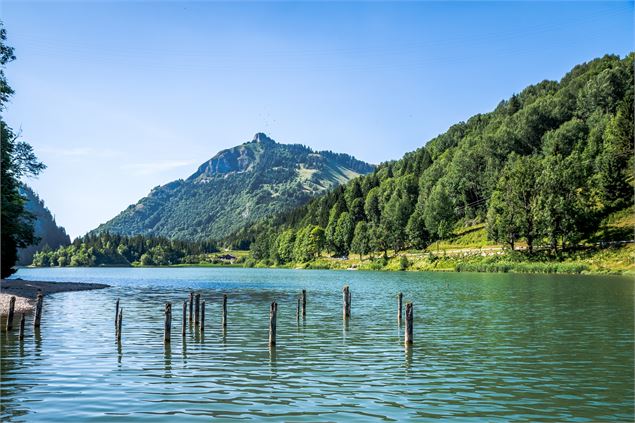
[{"x": 25, "y": 292}]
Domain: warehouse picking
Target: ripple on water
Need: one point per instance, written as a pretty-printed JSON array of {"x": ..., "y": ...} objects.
[{"x": 508, "y": 347}]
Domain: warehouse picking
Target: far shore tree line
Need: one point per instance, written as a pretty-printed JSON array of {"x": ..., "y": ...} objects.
[{"x": 107, "y": 249}]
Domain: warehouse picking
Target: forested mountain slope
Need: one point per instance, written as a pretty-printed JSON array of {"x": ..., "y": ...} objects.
[
  {"x": 46, "y": 230},
  {"x": 543, "y": 168},
  {"x": 235, "y": 188}
]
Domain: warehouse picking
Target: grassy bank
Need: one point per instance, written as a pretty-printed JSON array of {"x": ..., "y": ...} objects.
[{"x": 610, "y": 260}]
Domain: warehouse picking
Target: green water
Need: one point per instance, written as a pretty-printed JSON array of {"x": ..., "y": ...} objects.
[{"x": 486, "y": 347}]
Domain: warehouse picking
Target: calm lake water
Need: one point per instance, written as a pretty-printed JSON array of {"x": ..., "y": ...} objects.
[{"x": 494, "y": 347}]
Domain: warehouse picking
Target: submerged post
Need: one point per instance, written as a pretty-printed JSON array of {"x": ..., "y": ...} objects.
[
  {"x": 184, "y": 318},
  {"x": 399, "y": 305},
  {"x": 303, "y": 303},
  {"x": 38, "y": 310},
  {"x": 119, "y": 324},
  {"x": 191, "y": 304},
  {"x": 116, "y": 313},
  {"x": 21, "y": 327},
  {"x": 224, "y": 311},
  {"x": 203, "y": 316},
  {"x": 168, "y": 323},
  {"x": 272, "y": 323},
  {"x": 346, "y": 299},
  {"x": 197, "y": 306},
  {"x": 409, "y": 318},
  {"x": 10, "y": 315}
]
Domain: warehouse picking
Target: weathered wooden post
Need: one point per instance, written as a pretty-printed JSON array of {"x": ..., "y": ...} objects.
[
  {"x": 409, "y": 317},
  {"x": 116, "y": 313},
  {"x": 168, "y": 322},
  {"x": 10, "y": 315},
  {"x": 22, "y": 327},
  {"x": 399, "y": 306},
  {"x": 203, "y": 316},
  {"x": 184, "y": 318},
  {"x": 346, "y": 298},
  {"x": 197, "y": 306},
  {"x": 272, "y": 323},
  {"x": 38, "y": 310},
  {"x": 224, "y": 310},
  {"x": 119, "y": 324},
  {"x": 191, "y": 305},
  {"x": 303, "y": 303}
]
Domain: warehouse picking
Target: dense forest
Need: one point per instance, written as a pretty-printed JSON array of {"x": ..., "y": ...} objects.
[
  {"x": 46, "y": 230},
  {"x": 107, "y": 249},
  {"x": 542, "y": 169}
]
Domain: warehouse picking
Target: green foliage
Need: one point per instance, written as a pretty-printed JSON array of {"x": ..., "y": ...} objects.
[
  {"x": 361, "y": 240},
  {"x": 18, "y": 161},
  {"x": 107, "y": 249},
  {"x": 542, "y": 169},
  {"x": 513, "y": 208}
]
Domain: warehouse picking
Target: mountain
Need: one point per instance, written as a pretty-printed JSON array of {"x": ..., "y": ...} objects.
[
  {"x": 50, "y": 235},
  {"x": 234, "y": 188},
  {"x": 543, "y": 168}
]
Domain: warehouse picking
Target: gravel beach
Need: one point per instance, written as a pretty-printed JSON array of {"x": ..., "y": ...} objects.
[{"x": 26, "y": 292}]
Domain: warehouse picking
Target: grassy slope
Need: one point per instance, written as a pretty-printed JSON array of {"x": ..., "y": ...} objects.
[{"x": 469, "y": 250}]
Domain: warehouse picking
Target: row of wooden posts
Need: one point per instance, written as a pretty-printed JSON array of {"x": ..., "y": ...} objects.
[
  {"x": 36, "y": 320},
  {"x": 197, "y": 314}
]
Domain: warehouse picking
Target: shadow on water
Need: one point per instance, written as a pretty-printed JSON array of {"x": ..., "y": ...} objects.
[
  {"x": 273, "y": 360},
  {"x": 167, "y": 357}
]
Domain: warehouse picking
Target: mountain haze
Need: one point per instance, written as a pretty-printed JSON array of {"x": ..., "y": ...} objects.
[{"x": 236, "y": 187}]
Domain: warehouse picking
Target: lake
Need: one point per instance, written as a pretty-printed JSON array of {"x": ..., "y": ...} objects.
[{"x": 495, "y": 347}]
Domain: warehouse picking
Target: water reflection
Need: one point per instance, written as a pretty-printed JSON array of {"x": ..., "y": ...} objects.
[
  {"x": 37, "y": 338},
  {"x": 408, "y": 350},
  {"x": 273, "y": 359},
  {"x": 119, "y": 352},
  {"x": 167, "y": 357}
]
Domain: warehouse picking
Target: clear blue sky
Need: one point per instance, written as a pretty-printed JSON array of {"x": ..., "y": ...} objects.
[{"x": 118, "y": 97}]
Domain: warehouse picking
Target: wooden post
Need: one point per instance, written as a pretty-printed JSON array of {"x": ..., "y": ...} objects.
[
  {"x": 303, "y": 303},
  {"x": 10, "y": 315},
  {"x": 38, "y": 310},
  {"x": 409, "y": 316},
  {"x": 203, "y": 316},
  {"x": 116, "y": 313},
  {"x": 399, "y": 306},
  {"x": 168, "y": 322},
  {"x": 346, "y": 298},
  {"x": 191, "y": 305},
  {"x": 197, "y": 306},
  {"x": 224, "y": 310},
  {"x": 119, "y": 324},
  {"x": 272, "y": 323},
  {"x": 22, "y": 327}
]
